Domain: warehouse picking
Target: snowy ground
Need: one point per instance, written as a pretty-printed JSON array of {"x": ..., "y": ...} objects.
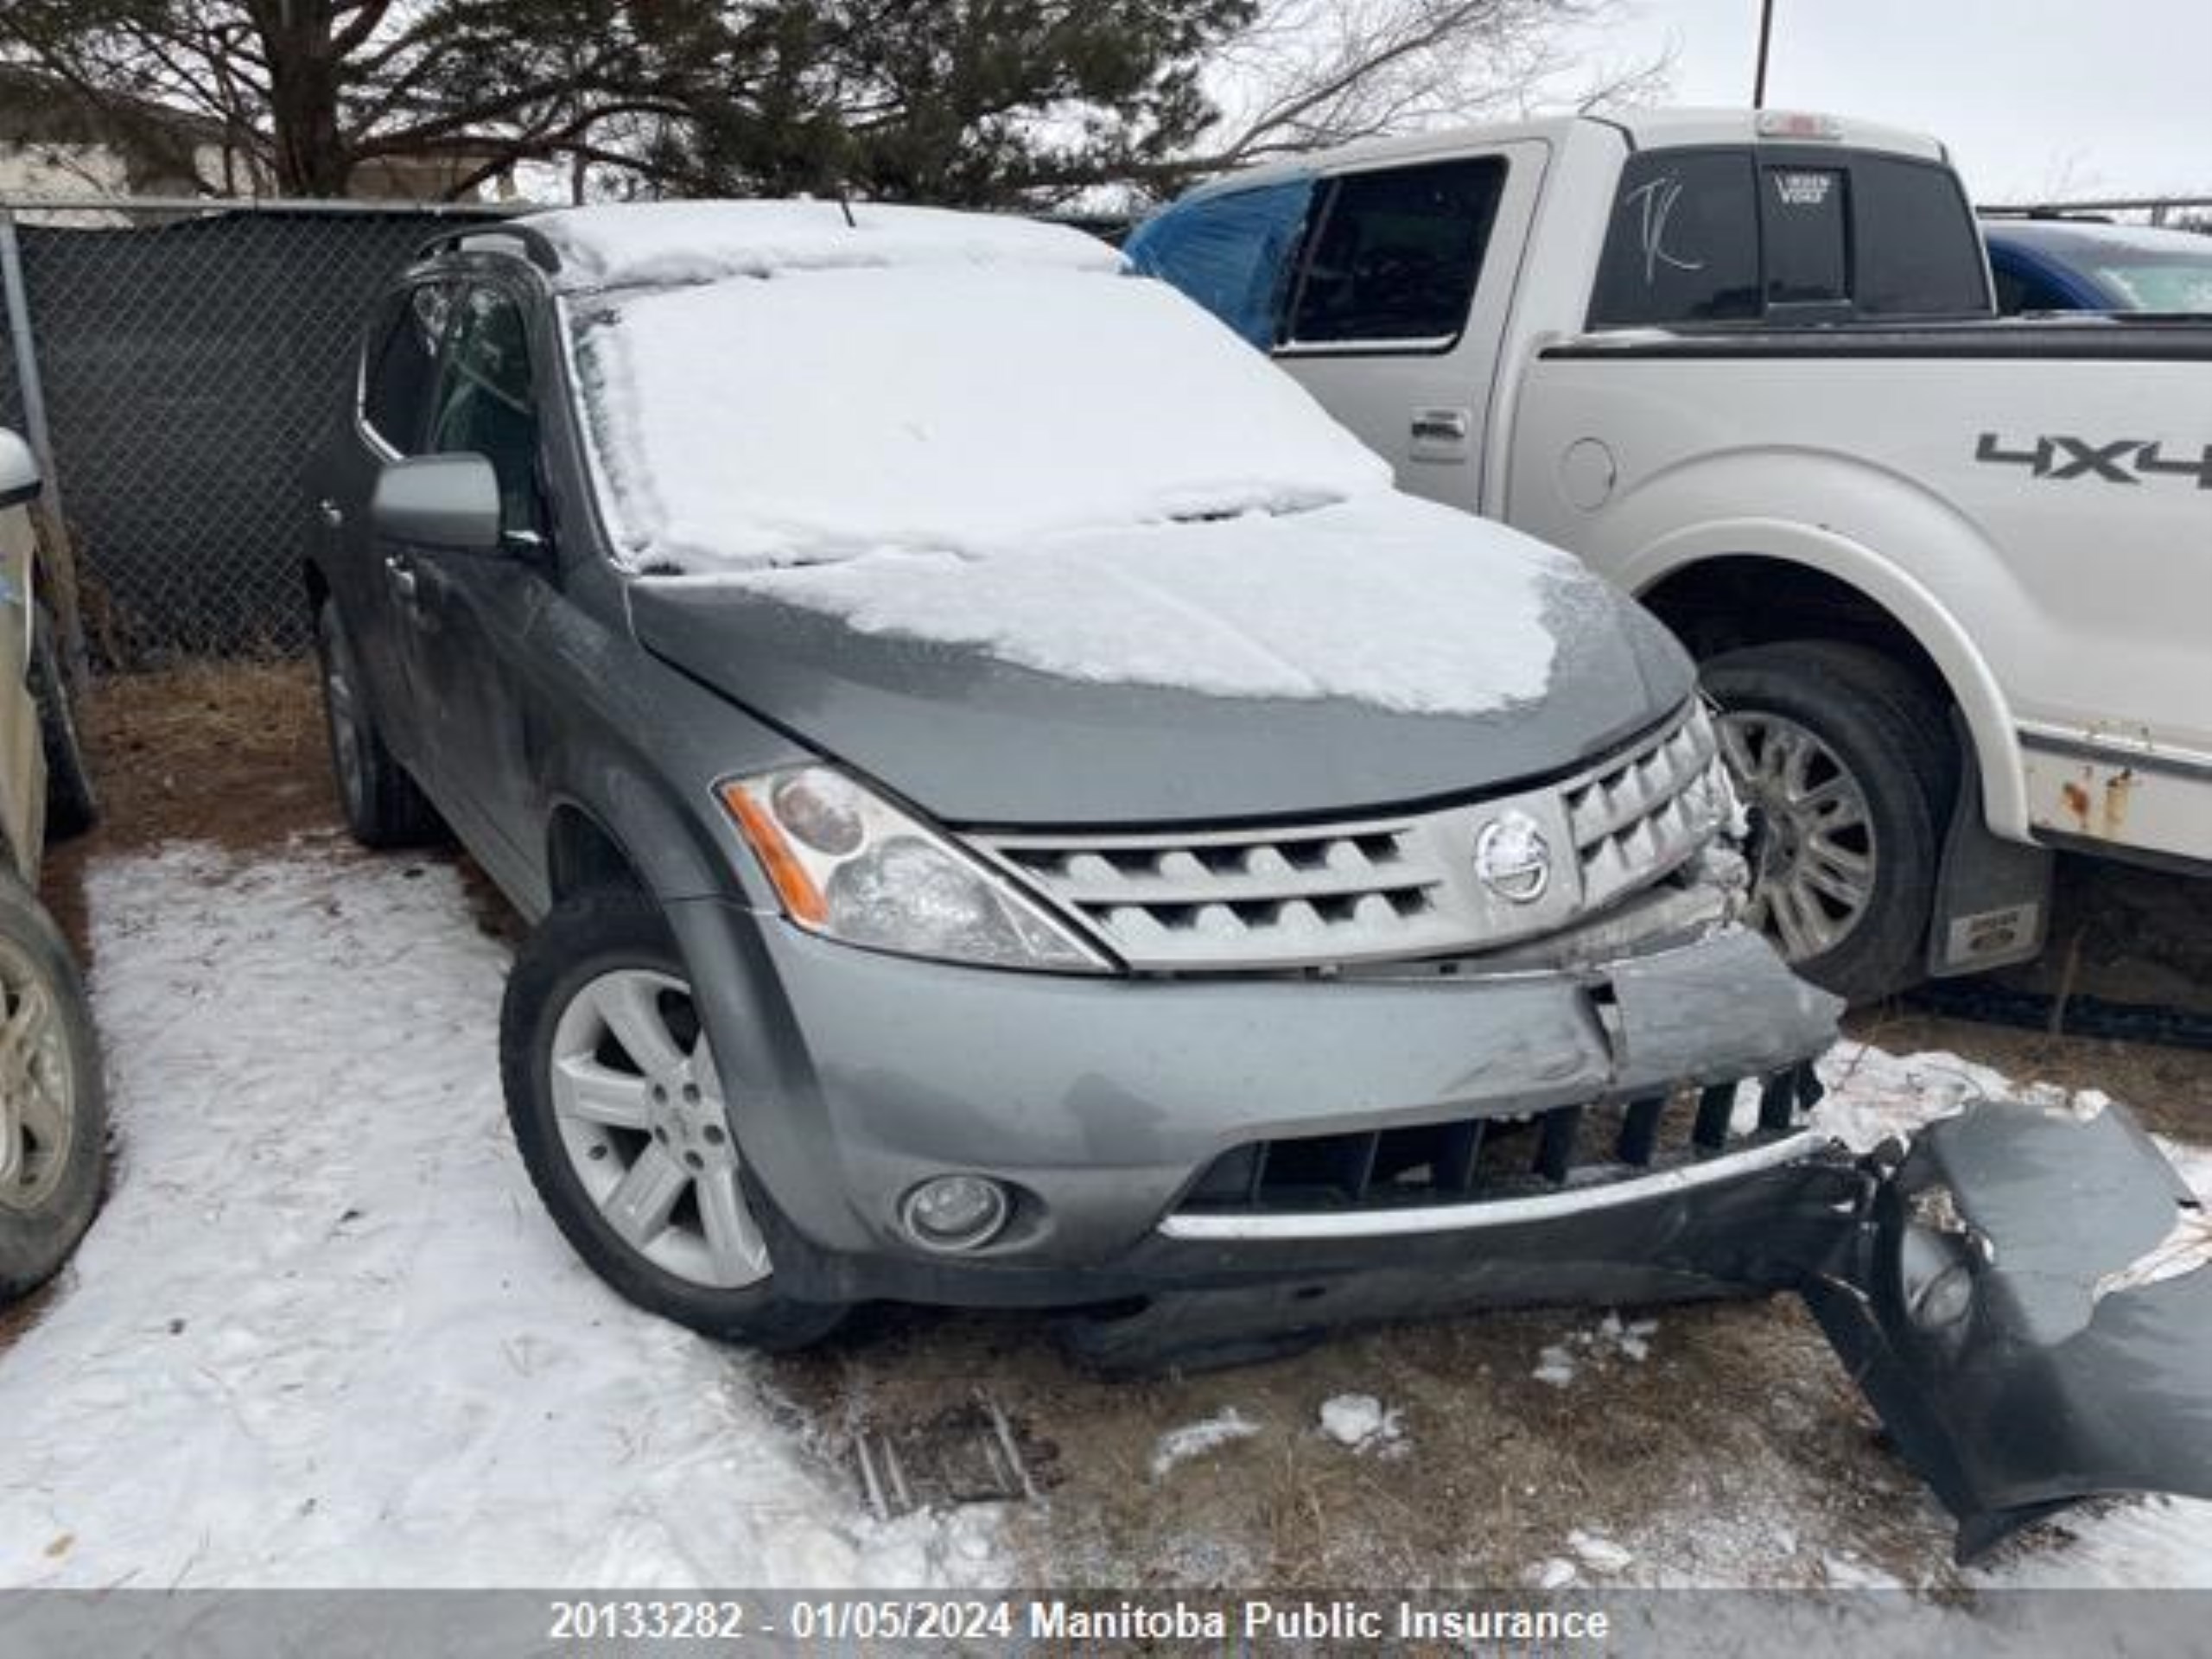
[{"x": 324, "y": 1334}]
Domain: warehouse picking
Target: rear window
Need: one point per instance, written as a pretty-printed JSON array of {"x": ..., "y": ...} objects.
[
  {"x": 1805, "y": 221},
  {"x": 1397, "y": 255},
  {"x": 1684, "y": 246},
  {"x": 1922, "y": 252},
  {"x": 1744, "y": 236}
]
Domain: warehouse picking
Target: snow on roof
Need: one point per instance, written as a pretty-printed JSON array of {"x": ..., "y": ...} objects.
[{"x": 664, "y": 242}]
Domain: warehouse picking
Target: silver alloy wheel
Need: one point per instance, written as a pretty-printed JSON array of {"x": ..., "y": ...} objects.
[
  {"x": 1813, "y": 846},
  {"x": 38, "y": 1085},
  {"x": 638, "y": 1105},
  {"x": 344, "y": 719}
]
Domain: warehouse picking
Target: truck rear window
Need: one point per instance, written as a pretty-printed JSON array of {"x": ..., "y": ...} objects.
[{"x": 1739, "y": 235}]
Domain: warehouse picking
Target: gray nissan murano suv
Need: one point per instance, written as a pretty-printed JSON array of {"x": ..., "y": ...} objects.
[{"x": 1015, "y": 809}]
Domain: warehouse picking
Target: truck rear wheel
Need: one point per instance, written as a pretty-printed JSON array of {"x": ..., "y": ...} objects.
[{"x": 1846, "y": 764}]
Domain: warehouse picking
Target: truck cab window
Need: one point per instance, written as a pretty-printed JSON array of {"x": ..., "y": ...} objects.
[
  {"x": 486, "y": 404},
  {"x": 1684, "y": 242},
  {"x": 1230, "y": 252},
  {"x": 1397, "y": 254},
  {"x": 1916, "y": 242},
  {"x": 1805, "y": 214}
]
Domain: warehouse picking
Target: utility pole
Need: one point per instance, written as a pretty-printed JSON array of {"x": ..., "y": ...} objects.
[{"x": 1766, "y": 34}]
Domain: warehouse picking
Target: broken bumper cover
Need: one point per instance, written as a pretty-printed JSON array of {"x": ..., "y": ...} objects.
[{"x": 2024, "y": 1297}]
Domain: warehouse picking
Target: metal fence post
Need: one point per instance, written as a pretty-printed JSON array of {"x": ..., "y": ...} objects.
[{"x": 23, "y": 347}]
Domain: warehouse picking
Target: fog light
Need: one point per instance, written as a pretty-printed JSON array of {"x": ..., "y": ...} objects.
[{"x": 955, "y": 1212}]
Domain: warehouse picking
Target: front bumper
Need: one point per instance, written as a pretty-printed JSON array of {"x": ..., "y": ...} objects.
[
  {"x": 1101, "y": 1101},
  {"x": 1997, "y": 1292}
]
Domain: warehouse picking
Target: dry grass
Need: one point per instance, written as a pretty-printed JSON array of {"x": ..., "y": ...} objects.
[{"x": 231, "y": 753}]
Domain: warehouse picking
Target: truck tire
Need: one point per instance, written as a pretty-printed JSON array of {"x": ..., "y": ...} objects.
[
  {"x": 1845, "y": 763},
  {"x": 619, "y": 1113},
  {"x": 72, "y": 805},
  {"x": 53, "y": 1104},
  {"x": 382, "y": 806}
]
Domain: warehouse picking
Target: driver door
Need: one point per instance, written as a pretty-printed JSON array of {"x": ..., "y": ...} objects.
[{"x": 473, "y": 610}]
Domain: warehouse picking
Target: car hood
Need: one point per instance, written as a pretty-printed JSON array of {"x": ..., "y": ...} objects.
[{"x": 1372, "y": 654}]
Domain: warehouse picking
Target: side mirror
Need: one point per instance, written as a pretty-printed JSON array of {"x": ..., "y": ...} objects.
[
  {"x": 19, "y": 480},
  {"x": 450, "y": 501}
]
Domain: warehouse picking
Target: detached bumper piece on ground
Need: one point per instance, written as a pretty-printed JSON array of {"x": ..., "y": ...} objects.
[
  {"x": 2026, "y": 1300},
  {"x": 2026, "y": 1296}
]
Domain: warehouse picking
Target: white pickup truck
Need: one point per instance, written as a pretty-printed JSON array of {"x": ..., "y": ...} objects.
[{"x": 1950, "y": 577}]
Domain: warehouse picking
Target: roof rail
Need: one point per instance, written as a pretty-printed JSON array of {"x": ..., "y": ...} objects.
[{"x": 537, "y": 246}]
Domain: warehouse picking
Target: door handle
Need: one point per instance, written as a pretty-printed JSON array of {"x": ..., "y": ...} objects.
[
  {"x": 331, "y": 514},
  {"x": 1439, "y": 425},
  {"x": 403, "y": 580}
]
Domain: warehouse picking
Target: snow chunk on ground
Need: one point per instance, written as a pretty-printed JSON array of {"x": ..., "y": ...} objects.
[
  {"x": 740, "y": 425},
  {"x": 1559, "y": 1363},
  {"x": 1196, "y": 1439},
  {"x": 1391, "y": 601},
  {"x": 1599, "y": 1554},
  {"x": 664, "y": 241},
  {"x": 1360, "y": 1421},
  {"x": 1553, "y": 1574},
  {"x": 1874, "y": 1096},
  {"x": 323, "y": 1333}
]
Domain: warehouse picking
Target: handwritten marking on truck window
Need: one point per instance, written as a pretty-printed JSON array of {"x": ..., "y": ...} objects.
[
  {"x": 1656, "y": 202},
  {"x": 2123, "y": 461}
]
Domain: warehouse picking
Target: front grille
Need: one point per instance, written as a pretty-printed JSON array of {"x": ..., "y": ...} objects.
[
  {"x": 1642, "y": 815},
  {"x": 1387, "y": 887},
  {"x": 1473, "y": 1161},
  {"x": 1324, "y": 893}
]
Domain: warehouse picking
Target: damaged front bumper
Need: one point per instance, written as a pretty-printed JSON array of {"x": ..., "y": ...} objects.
[{"x": 2024, "y": 1296}]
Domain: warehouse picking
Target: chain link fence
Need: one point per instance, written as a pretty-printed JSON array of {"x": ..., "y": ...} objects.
[{"x": 175, "y": 364}]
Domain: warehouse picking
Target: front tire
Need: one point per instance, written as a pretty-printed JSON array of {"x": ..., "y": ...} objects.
[
  {"x": 619, "y": 1111},
  {"x": 53, "y": 1103},
  {"x": 1844, "y": 760}
]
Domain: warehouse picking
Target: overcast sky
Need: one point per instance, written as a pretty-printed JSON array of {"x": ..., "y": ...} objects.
[{"x": 2036, "y": 98}]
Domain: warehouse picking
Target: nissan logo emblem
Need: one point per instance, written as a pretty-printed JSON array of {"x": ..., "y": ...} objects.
[{"x": 1513, "y": 859}]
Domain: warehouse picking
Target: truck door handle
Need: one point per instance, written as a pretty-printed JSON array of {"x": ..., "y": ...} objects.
[
  {"x": 331, "y": 515},
  {"x": 1439, "y": 426},
  {"x": 403, "y": 580}
]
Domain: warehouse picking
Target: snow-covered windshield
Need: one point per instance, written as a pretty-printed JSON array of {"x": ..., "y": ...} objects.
[{"x": 812, "y": 414}]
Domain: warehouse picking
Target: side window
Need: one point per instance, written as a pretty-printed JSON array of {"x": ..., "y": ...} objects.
[
  {"x": 485, "y": 400},
  {"x": 1805, "y": 214},
  {"x": 1397, "y": 255},
  {"x": 1684, "y": 242},
  {"x": 402, "y": 364},
  {"x": 1230, "y": 252},
  {"x": 1918, "y": 245}
]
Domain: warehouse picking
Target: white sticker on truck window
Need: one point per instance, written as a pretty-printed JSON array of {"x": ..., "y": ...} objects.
[{"x": 1795, "y": 189}]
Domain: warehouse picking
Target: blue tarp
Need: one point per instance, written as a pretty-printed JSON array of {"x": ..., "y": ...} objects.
[{"x": 1230, "y": 252}]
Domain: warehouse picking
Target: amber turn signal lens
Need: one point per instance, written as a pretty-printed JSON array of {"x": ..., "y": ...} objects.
[{"x": 801, "y": 898}]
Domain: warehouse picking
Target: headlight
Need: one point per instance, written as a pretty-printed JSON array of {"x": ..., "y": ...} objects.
[{"x": 850, "y": 866}]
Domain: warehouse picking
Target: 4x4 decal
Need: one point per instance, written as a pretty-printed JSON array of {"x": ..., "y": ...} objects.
[{"x": 2124, "y": 461}]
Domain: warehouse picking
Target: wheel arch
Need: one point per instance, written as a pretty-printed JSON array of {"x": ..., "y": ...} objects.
[
  {"x": 630, "y": 833},
  {"x": 1768, "y": 581}
]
